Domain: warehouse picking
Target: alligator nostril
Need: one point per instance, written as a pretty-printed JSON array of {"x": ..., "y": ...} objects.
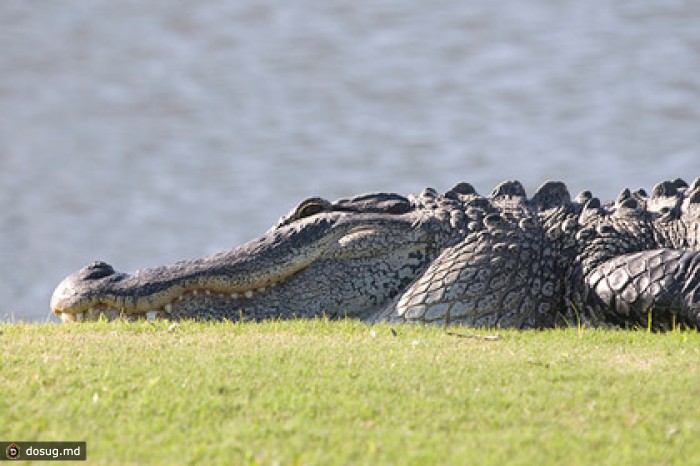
[{"x": 97, "y": 270}]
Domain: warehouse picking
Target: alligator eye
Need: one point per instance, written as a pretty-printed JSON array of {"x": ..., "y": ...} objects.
[{"x": 311, "y": 207}]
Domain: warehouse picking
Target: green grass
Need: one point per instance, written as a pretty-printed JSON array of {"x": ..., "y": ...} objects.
[{"x": 319, "y": 392}]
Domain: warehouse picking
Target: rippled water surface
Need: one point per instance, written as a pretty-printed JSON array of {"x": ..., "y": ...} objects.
[{"x": 145, "y": 132}]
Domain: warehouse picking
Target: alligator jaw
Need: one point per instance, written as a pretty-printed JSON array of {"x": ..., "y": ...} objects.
[
  {"x": 151, "y": 308},
  {"x": 156, "y": 312},
  {"x": 97, "y": 290}
]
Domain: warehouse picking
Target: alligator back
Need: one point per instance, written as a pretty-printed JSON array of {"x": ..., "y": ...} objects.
[{"x": 550, "y": 260}]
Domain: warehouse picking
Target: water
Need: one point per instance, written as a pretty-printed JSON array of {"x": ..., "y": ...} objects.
[{"x": 145, "y": 132}]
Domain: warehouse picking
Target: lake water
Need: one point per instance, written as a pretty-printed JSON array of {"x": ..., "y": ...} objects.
[{"x": 141, "y": 133}]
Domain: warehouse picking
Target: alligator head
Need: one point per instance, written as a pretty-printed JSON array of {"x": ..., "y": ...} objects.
[{"x": 347, "y": 257}]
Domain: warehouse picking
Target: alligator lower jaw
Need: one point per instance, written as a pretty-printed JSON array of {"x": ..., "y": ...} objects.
[
  {"x": 163, "y": 312},
  {"x": 105, "y": 312}
]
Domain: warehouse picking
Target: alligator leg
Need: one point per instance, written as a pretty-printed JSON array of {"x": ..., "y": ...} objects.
[
  {"x": 657, "y": 288},
  {"x": 485, "y": 281}
]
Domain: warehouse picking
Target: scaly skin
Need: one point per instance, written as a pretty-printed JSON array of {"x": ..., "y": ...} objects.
[{"x": 458, "y": 258}]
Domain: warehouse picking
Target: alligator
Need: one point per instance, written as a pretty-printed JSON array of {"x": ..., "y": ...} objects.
[{"x": 503, "y": 260}]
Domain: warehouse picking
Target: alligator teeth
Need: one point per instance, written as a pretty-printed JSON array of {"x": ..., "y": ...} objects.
[
  {"x": 168, "y": 308},
  {"x": 194, "y": 292},
  {"x": 234, "y": 295},
  {"x": 80, "y": 316},
  {"x": 207, "y": 292},
  {"x": 66, "y": 317},
  {"x": 249, "y": 294},
  {"x": 261, "y": 289},
  {"x": 151, "y": 315}
]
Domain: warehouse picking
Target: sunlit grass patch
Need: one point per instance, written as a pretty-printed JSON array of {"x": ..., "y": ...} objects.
[{"x": 321, "y": 392}]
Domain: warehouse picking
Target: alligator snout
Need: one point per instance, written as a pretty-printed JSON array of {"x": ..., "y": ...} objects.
[{"x": 78, "y": 287}]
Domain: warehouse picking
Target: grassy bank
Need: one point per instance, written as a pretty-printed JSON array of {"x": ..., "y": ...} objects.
[{"x": 317, "y": 392}]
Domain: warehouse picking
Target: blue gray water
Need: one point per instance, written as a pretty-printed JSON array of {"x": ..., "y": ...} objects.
[{"x": 145, "y": 132}]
